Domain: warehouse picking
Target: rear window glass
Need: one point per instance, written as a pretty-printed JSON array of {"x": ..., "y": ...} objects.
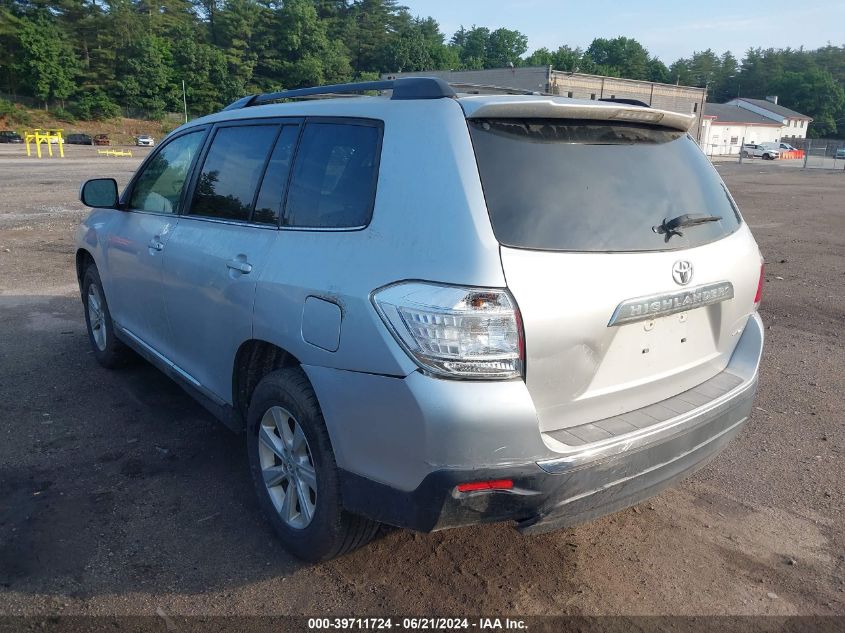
[
  {"x": 583, "y": 186},
  {"x": 231, "y": 171},
  {"x": 334, "y": 176}
]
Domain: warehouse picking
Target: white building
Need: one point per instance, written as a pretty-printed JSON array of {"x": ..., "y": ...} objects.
[
  {"x": 724, "y": 127},
  {"x": 794, "y": 123}
]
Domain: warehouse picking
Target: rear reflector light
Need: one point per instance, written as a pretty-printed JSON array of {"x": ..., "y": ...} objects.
[
  {"x": 759, "y": 296},
  {"x": 495, "y": 484},
  {"x": 454, "y": 331}
]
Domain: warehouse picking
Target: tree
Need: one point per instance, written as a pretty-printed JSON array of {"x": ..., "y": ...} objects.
[
  {"x": 47, "y": 64},
  {"x": 309, "y": 56},
  {"x": 813, "y": 91},
  {"x": 619, "y": 57},
  {"x": 505, "y": 47},
  {"x": 147, "y": 80}
]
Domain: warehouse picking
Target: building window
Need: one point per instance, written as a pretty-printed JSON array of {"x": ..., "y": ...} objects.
[
  {"x": 695, "y": 107},
  {"x": 593, "y": 95},
  {"x": 734, "y": 140},
  {"x": 569, "y": 94}
]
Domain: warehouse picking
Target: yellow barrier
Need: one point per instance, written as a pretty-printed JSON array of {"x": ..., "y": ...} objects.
[
  {"x": 38, "y": 137},
  {"x": 114, "y": 152}
]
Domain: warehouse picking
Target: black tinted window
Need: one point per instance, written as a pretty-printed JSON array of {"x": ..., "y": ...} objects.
[
  {"x": 596, "y": 187},
  {"x": 334, "y": 176},
  {"x": 269, "y": 202},
  {"x": 159, "y": 186},
  {"x": 231, "y": 171}
]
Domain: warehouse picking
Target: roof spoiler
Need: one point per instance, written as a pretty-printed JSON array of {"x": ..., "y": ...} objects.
[{"x": 550, "y": 108}]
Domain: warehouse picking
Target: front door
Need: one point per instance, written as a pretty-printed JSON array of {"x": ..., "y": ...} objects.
[{"x": 137, "y": 238}]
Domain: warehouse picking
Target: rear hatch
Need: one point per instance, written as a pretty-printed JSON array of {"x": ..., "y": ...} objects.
[{"x": 619, "y": 313}]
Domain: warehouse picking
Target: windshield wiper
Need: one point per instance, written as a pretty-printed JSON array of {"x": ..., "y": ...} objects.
[{"x": 670, "y": 227}]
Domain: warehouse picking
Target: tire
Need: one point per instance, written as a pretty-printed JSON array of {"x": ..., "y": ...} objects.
[
  {"x": 284, "y": 399},
  {"x": 745, "y": 155},
  {"x": 108, "y": 350}
]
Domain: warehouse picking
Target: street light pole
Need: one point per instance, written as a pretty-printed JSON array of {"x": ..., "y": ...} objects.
[{"x": 184, "y": 101}]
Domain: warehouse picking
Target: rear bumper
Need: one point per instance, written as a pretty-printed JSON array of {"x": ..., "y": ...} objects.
[
  {"x": 556, "y": 489},
  {"x": 541, "y": 501}
]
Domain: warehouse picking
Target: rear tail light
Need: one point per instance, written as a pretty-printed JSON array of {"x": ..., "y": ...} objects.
[
  {"x": 454, "y": 331},
  {"x": 759, "y": 296}
]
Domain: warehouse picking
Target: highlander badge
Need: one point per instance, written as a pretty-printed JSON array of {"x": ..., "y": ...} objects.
[{"x": 653, "y": 306}]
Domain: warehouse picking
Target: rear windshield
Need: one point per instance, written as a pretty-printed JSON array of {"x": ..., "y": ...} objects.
[{"x": 585, "y": 186}]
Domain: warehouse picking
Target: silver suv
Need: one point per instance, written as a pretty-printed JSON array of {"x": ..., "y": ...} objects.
[{"x": 433, "y": 309}]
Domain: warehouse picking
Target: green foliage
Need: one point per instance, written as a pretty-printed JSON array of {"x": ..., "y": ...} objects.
[
  {"x": 98, "y": 57},
  {"x": 46, "y": 62},
  {"x": 63, "y": 115},
  {"x": 16, "y": 116},
  {"x": 619, "y": 57},
  {"x": 94, "y": 105}
]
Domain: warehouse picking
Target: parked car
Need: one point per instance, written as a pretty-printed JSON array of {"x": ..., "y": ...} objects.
[
  {"x": 433, "y": 310},
  {"x": 144, "y": 141},
  {"x": 8, "y": 136},
  {"x": 840, "y": 153},
  {"x": 79, "y": 139},
  {"x": 102, "y": 139},
  {"x": 752, "y": 150}
]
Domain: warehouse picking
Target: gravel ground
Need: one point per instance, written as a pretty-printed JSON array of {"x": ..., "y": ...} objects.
[{"x": 119, "y": 495}]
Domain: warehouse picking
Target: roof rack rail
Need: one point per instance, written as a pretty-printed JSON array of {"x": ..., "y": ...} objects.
[
  {"x": 404, "y": 88},
  {"x": 501, "y": 89}
]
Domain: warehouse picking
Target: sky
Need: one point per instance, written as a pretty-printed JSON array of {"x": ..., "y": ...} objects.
[{"x": 669, "y": 30}]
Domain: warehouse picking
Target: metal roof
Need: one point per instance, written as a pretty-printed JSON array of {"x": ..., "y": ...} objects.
[
  {"x": 775, "y": 108},
  {"x": 725, "y": 113}
]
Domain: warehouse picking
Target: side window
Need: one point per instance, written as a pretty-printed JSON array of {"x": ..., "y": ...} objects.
[
  {"x": 334, "y": 176},
  {"x": 231, "y": 171},
  {"x": 268, "y": 206},
  {"x": 159, "y": 186}
]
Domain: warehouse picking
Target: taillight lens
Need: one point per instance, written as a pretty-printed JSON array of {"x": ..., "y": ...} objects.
[
  {"x": 454, "y": 331},
  {"x": 759, "y": 296}
]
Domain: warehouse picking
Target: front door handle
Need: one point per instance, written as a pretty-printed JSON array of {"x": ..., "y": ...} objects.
[
  {"x": 156, "y": 245},
  {"x": 240, "y": 266}
]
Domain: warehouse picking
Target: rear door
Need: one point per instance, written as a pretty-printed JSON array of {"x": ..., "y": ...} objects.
[
  {"x": 218, "y": 251},
  {"x": 617, "y": 314}
]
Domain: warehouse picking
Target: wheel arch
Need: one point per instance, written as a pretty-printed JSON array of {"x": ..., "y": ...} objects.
[
  {"x": 255, "y": 359},
  {"x": 84, "y": 258}
]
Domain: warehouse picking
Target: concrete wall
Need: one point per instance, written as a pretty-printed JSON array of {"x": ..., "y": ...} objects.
[{"x": 534, "y": 78}]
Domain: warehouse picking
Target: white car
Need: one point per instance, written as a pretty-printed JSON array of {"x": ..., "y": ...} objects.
[
  {"x": 145, "y": 141},
  {"x": 752, "y": 150}
]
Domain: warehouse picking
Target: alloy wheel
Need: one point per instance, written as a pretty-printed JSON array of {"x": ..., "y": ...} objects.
[
  {"x": 287, "y": 467},
  {"x": 96, "y": 316}
]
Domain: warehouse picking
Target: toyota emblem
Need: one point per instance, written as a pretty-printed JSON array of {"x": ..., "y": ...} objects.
[{"x": 682, "y": 272}]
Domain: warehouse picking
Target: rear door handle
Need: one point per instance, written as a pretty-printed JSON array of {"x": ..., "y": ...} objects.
[{"x": 240, "y": 266}]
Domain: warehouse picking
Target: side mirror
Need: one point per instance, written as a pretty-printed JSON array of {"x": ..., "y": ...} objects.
[{"x": 99, "y": 193}]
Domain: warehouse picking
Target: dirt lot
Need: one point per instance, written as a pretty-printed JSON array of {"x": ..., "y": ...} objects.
[{"x": 119, "y": 495}]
